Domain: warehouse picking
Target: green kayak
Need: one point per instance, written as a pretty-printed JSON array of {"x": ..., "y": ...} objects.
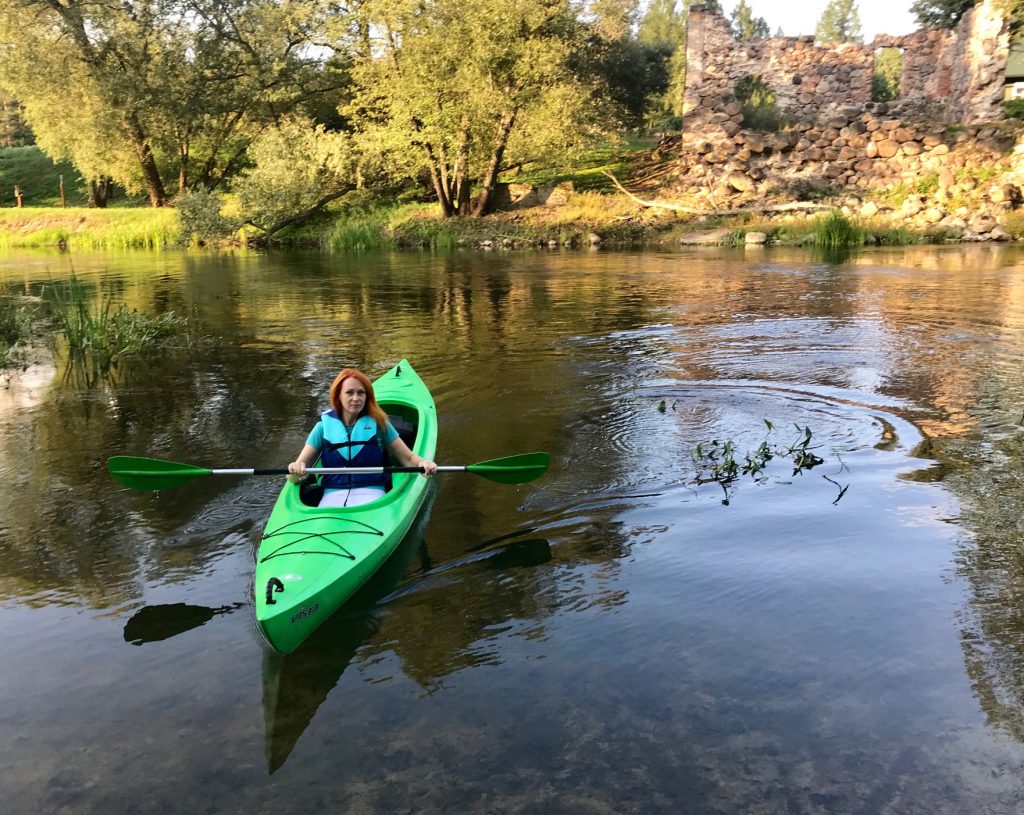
[{"x": 311, "y": 560}]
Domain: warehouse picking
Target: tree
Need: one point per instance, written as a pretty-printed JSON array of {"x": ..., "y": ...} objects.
[
  {"x": 158, "y": 93},
  {"x": 460, "y": 89},
  {"x": 663, "y": 24},
  {"x": 745, "y": 25},
  {"x": 613, "y": 19},
  {"x": 839, "y": 22},
  {"x": 939, "y": 13}
]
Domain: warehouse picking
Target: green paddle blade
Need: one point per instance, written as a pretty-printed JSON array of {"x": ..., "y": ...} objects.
[
  {"x": 152, "y": 473},
  {"x": 512, "y": 469}
]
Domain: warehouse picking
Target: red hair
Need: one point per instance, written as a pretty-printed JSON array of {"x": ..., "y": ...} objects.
[{"x": 370, "y": 407}]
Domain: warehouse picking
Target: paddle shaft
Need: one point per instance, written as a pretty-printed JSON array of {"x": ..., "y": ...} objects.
[{"x": 337, "y": 470}]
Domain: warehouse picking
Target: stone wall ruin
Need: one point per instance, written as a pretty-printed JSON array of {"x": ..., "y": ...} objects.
[{"x": 949, "y": 76}]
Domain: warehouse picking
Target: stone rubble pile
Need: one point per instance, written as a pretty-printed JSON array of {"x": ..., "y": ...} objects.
[{"x": 924, "y": 173}]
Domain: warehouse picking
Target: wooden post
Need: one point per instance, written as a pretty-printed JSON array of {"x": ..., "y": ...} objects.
[
  {"x": 17, "y": 195},
  {"x": 63, "y": 201}
]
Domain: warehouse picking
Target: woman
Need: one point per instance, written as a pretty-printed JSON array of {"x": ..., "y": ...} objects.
[{"x": 354, "y": 433}]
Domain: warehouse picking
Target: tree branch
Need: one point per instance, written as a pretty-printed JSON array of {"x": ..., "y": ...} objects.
[{"x": 793, "y": 205}]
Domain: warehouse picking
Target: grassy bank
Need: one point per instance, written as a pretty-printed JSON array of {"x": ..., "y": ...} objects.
[{"x": 83, "y": 228}]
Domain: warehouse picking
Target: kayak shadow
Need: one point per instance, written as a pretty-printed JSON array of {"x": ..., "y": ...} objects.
[
  {"x": 296, "y": 684},
  {"x": 161, "y": 622}
]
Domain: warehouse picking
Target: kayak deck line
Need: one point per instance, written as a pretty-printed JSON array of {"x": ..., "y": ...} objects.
[{"x": 324, "y": 535}]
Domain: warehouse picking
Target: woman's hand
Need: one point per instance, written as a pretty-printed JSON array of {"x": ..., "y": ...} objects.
[
  {"x": 296, "y": 471},
  {"x": 429, "y": 467}
]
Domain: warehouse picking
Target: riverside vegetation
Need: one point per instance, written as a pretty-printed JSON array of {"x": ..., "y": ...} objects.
[
  {"x": 384, "y": 124},
  {"x": 95, "y": 333}
]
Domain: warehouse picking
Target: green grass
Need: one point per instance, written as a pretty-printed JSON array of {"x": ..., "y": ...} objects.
[
  {"x": 38, "y": 176},
  {"x": 39, "y": 179},
  {"x": 81, "y": 228}
]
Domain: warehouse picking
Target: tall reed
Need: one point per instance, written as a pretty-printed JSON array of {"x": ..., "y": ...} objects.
[
  {"x": 104, "y": 331},
  {"x": 836, "y": 231}
]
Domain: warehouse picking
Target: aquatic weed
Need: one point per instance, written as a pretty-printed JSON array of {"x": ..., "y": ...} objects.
[{"x": 717, "y": 461}]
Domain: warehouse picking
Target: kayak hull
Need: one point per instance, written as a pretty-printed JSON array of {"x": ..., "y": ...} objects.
[{"x": 310, "y": 559}]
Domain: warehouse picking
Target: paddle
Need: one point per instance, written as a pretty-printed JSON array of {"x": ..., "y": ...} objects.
[{"x": 155, "y": 474}]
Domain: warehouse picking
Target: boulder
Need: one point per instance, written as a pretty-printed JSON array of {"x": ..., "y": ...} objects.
[
  {"x": 706, "y": 237},
  {"x": 740, "y": 182},
  {"x": 887, "y": 148}
]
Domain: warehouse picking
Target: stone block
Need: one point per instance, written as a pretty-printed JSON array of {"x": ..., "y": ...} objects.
[{"x": 887, "y": 148}]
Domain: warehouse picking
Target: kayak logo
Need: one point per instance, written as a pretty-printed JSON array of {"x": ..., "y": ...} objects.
[{"x": 309, "y": 611}]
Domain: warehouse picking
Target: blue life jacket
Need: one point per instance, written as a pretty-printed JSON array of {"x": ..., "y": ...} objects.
[{"x": 358, "y": 446}]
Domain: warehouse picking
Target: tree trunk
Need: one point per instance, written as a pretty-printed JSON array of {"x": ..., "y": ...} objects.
[
  {"x": 147, "y": 162},
  {"x": 444, "y": 196},
  {"x": 462, "y": 170},
  {"x": 99, "y": 192},
  {"x": 183, "y": 165},
  {"x": 508, "y": 119}
]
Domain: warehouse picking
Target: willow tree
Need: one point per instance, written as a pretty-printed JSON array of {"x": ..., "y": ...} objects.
[
  {"x": 460, "y": 89},
  {"x": 157, "y": 93}
]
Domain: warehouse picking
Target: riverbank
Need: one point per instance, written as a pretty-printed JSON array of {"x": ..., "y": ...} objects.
[
  {"x": 576, "y": 220},
  {"x": 81, "y": 228}
]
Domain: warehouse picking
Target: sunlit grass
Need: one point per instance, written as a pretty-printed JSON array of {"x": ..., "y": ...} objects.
[{"x": 83, "y": 228}]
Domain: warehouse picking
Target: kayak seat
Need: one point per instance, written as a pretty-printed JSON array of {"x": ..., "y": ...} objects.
[
  {"x": 310, "y": 491},
  {"x": 406, "y": 429}
]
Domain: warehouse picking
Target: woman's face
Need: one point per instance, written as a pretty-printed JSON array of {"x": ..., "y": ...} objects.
[{"x": 353, "y": 396}]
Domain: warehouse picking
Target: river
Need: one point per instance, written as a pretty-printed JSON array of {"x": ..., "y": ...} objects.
[{"x": 610, "y": 638}]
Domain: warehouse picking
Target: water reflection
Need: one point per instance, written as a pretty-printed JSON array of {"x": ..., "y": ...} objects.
[{"x": 780, "y": 653}]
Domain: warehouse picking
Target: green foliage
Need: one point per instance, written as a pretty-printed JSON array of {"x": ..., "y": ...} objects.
[
  {"x": 297, "y": 169},
  {"x": 462, "y": 88},
  {"x": 202, "y": 220},
  {"x": 159, "y": 94},
  {"x": 939, "y": 13},
  {"x": 760, "y": 110},
  {"x": 885, "y": 82},
  {"x": 663, "y": 24},
  {"x": 927, "y": 184},
  {"x": 719, "y": 461},
  {"x": 745, "y": 26},
  {"x": 1013, "y": 108},
  {"x": 635, "y": 74},
  {"x": 839, "y": 22},
  {"x": 14, "y": 132}
]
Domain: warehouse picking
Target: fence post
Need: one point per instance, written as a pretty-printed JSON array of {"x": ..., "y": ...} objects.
[{"x": 17, "y": 195}]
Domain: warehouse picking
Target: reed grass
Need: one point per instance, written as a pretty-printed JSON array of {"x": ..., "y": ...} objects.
[
  {"x": 102, "y": 331},
  {"x": 15, "y": 327},
  {"x": 836, "y": 231}
]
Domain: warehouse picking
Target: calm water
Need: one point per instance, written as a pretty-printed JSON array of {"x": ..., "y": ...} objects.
[{"x": 610, "y": 638}]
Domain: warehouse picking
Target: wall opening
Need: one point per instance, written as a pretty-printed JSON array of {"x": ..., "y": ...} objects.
[
  {"x": 888, "y": 71},
  {"x": 760, "y": 107}
]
